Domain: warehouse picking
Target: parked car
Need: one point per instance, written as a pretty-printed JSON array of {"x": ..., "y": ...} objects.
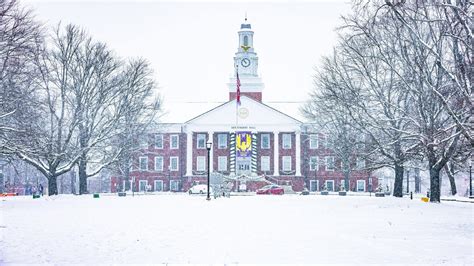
[
  {"x": 271, "y": 189},
  {"x": 199, "y": 189}
]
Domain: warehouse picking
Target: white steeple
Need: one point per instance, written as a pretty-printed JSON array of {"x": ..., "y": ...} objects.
[{"x": 246, "y": 63}]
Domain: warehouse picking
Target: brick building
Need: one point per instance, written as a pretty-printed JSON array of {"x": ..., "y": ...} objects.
[{"x": 252, "y": 144}]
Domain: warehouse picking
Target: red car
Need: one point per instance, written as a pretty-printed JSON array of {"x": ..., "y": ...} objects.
[{"x": 271, "y": 189}]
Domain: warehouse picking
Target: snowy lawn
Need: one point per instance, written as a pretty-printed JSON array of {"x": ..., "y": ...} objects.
[{"x": 242, "y": 229}]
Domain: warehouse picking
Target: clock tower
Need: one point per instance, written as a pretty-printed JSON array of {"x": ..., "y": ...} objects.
[{"x": 246, "y": 64}]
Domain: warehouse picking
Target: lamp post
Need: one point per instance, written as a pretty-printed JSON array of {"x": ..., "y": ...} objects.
[
  {"x": 408, "y": 180},
  {"x": 208, "y": 146},
  {"x": 470, "y": 178}
]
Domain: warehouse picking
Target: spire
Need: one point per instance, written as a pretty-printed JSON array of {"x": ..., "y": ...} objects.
[{"x": 245, "y": 25}]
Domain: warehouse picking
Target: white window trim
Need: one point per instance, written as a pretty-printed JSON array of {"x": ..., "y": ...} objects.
[
  {"x": 360, "y": 163},
  {"x": 357, "y": 185},
  {"x": 327, "y": 142},
  {"x": 203, "y": 158},
  {"x": 140, "y": 163},
  {"x": 158, "y": 181},
  {"x": 139, "y": 185},
  {"x": 177, "y": 164},
  {"x": 261, "y": 141},
  {"x": 261, "y": 163},
  {"x": 174, "y": 181},
  {"x": 283, "y": 141},
  {"x": 171, "y": 142},
  {"x": 326, "y": 184},
  {"x": 316, "y": 167},
  {"x": 311, "y": 142},
  {"x": 317, "y": 185},
  {"x": 197, "y": 141},
  {"x": 162, "y": 141},
  {"x": 144, "y": 144},
  {"x": 283, "y": 163},
  {"x": 333, "y": 165},
  {"x": 162, "y": 163},
  {"x": 218, "y": 141},
  {"x": 219, "y": 160}
]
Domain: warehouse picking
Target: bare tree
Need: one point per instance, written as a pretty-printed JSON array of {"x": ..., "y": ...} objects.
[
  {"x": 142, "y": 110},
  {"x": 403, "y": 74},
  {"x": 21, "y": 39}
]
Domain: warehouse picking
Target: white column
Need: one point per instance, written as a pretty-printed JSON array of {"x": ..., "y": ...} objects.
[
  {"x": 189, "y": 153},
  {"x": 276, "y": 155},
  {"x": 211, "y": 153},
  {"x": 298, "y": 153}
]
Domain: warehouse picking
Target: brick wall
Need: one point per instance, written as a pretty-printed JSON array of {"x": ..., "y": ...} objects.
[
  {"x": 287, "y": 152},
  {"x": 257, "y": 96},
  {"x": 220, "y": 152}
]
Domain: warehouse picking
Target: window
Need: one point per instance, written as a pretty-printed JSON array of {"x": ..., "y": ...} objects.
[
  {"x": 174, "y": 163},
  {"x": 246, "y": 40},
  {"x": 329, "y": 142},
  {"x": 143, "y": 162},
  {"x": 330, "y": 163},
  {"x": 313, "y": 141},
  {"x": 265, "y": 163},
  {"x": 142, "y": 185},
  {"x": 360, "y": 163},
  {"x": 143, "y": 141},
  {"x": 174, "y": 141},
  {"x": 313, "y": 163},
  {"x": 286, "y": 163},
  {"x": 343, "y": 185},
  {"x": 201, "y": 141},
  {"x": 265, "y": 141},
  {"x": 158, "y": 185},
  {"x": 222, "y": 163},
  {"x": 174, "y": 185},
  {"x": 159, "y": 163},
  {"x": 159, "y": 141},
  {"x": 200, "y": 163},
  {"x": 313, "y": 185},
  {"x": 330, "y": 185},
  {"x": 286, "y": 138},
  {"x": 361, "y": 140},
  {"x": 222, "y": 141},
  {"x": 360, "y": 185}
]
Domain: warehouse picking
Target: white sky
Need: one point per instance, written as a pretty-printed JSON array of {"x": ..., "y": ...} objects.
[{"x": 191, "y": 44}]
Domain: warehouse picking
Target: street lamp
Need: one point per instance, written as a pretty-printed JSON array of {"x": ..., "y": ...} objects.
[
  {"x": 208, "y": 147},
  {"x": 470, "y": 178},
  {"x": 408, "y": 180}
]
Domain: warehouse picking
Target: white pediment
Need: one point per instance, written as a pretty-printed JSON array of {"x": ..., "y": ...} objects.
[{"x": 250, "y": 114}]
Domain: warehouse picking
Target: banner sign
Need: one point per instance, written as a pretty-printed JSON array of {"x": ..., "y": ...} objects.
[{"x": 243, "y": 150}]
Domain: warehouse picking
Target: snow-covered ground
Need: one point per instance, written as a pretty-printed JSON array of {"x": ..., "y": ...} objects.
[{"x": 179, "y": 228}]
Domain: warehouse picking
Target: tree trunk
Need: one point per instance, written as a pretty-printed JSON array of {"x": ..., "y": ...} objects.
[
  {"x": 398, "y": 185},
  {"x": 435, "y": 193},
  {"x": 52, "y": 186},
  {"x": 417, "y": 181},
  {"x": 346, "y": 180},
  {"x": 449, "y": 171},
  {"x": 82, "y": 176}
]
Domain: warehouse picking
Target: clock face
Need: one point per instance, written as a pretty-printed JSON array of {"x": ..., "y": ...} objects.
[
  {"x": 245, "y": 62},
  {"x": 243, "y": 112}
]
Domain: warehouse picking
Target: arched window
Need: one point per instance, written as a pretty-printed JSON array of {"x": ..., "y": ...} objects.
[{"x": 246, "y": 41}]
